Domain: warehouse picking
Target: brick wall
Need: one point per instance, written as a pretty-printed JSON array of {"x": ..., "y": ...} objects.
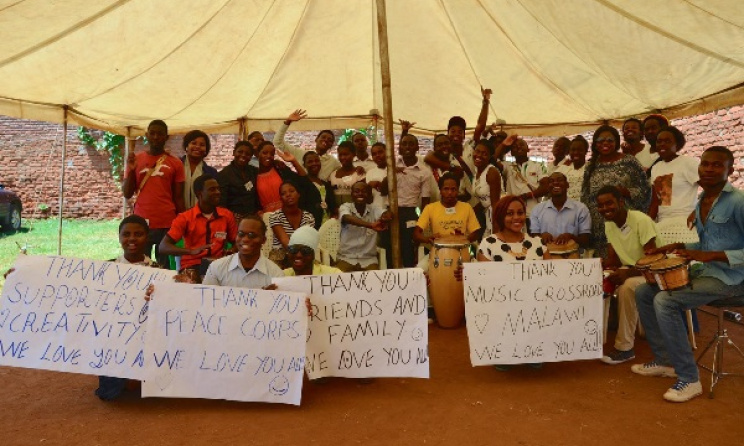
[{"x": 31, "y": 153}]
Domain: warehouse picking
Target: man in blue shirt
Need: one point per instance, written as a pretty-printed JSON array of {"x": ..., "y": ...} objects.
[
  {"x": 561, "y": 219},
  {"x": 719, "y": 219}
]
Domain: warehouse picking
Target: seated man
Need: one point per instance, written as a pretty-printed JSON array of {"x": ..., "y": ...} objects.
[
  {"x": 561, "y": 219},
  {"x": 360, "y": 223},
  {"x": 204, "y": 228},
  {"x": 629, "y": 234},
  {"x": 301, "y": 254},
  {"x": 247, "y": 268},
  {"x": 719, "y": 220},
  {"x": 447, "y": 216}
]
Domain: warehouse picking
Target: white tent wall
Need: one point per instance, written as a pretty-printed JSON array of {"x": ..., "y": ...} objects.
[{"x": 555, "y": 66}]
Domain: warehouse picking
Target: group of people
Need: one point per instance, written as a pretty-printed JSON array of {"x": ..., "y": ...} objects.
[{"x": 635, "y": 195}]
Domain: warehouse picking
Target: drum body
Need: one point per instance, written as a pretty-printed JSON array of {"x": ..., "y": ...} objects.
[
  {"x": 447, "y": 294},
  {"x": 671, "y": 274},
  {"x": 644, "y": 266},
  {"x": 568, "y": 251}
]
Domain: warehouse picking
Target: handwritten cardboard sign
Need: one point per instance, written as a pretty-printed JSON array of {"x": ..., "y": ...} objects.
[
  {"x": 533, "y": 311},
  {"x": 75, "y": 315},
  {"x": 225, "y": 343},
  {"x": 365, "y": 324}
]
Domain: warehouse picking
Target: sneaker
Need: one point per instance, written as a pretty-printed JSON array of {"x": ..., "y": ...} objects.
[
  {"x": 618, "y": 356},
  {"x": 535, "y": 365},
  {"x": 682, "y": 391},
  {"x": 653, "y": 368},
  {"x": 502, "y": 367}
]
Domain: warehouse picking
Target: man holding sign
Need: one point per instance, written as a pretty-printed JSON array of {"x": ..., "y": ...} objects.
[{"x": 247, "y": 268}]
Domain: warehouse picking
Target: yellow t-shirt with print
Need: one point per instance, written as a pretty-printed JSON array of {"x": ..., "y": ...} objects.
[{"x": 447, "y": 221}]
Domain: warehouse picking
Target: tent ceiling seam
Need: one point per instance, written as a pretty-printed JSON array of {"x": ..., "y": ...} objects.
[
  {"x": 229, "y": 67},
  {"x": 723, "y": 19},
  {"x": 661, "y": 32},
  {"x": 159, "y": 61},
  {"x": 538, "y": 73},
  {"x": 11, "y": 5},
  {"x": 63, "y": 33}
]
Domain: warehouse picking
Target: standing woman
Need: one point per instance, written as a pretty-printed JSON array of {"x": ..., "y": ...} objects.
[
  {"x": 238, "y": 183},
  {"x": 574, "y": 171},
  {"x": 610, "y": 167},
  {"x": 270, "y": 177},
  {"x": 486, "y": 184},
  {"x": 674, "y": 187},
  {"x": 345, "y": 176},
  {"x": 196, "y": 145},
  {"x": 320, "y": 198},
  {"x": 285, "y": 221}
]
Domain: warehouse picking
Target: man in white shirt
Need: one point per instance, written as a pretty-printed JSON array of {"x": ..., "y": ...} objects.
[{"x": 247, "y": 268}]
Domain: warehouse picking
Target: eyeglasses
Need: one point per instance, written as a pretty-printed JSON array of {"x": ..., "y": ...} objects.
[
  {"x": 294, "y": 249},
  {"x": 609, "y": 140},
  {"x": 250, "y": 235}
]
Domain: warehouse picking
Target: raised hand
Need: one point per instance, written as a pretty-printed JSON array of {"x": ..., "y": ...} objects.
[
  {"x": 486, "y": 93},
  {"x": 405, "y": 125},
  {"x": 286, "y": 156},
  {"x": 511, "y": 139},
  {"x": 297, "y": 115}
]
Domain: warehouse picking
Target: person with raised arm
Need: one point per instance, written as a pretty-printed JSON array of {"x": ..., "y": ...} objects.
[
  {"x": 486, "y": 184},
  {"x": 157, "y": 178},
  {"x": 323, "y": 143},
  {"x": 524, "y": 177}
]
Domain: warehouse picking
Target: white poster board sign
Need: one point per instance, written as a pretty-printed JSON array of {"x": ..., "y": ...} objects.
[
  {"x": 366, "y": 324},
  {"x": 533, "y": 311},
  {"x": 225, "y": 343},
  {"x": 76, "y": 315}
]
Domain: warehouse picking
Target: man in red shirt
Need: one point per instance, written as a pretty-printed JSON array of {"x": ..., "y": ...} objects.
[
  {"x": 204, "y": 228},
  {"x": 157, "y": 178}
]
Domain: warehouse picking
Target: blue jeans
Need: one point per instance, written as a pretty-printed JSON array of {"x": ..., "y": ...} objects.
[{"x": 665, "y": 329}]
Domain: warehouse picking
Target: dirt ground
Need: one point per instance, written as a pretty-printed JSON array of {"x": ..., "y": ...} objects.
[{"x": 570, "y": 403}]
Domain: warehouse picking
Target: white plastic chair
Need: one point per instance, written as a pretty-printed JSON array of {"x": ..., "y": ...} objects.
[
  {"x": 266, "y": 248},
  {"x": 330, "y": 236}
]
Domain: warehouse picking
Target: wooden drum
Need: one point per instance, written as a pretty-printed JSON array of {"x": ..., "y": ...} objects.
[
  {"x": 568, "y": 251},
  {"x": 671, "y": 273},
  {"x": 644, "y": 266},
  {"x": 447, "y": 294}
]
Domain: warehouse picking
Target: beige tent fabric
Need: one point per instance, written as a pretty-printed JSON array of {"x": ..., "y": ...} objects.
[{"x": 555, "y": 66}]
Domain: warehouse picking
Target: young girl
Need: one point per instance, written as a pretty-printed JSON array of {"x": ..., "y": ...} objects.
[{"x": 345, "y": 176}]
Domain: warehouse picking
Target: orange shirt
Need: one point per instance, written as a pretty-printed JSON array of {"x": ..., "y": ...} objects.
[
  {"x": 195, "y": 230},
  {"x": 267, "y": 186}
]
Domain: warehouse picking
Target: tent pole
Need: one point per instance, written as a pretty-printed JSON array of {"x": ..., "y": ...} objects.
[
  {"x": 387, "y": 111},
  {"x": 242, "y": 129},
  {"x": 128, "y": 147},
  {"x": 62, "y": 183}
]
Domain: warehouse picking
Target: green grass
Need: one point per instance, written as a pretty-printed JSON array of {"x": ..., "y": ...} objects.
[{"x": 87, "y": 239}]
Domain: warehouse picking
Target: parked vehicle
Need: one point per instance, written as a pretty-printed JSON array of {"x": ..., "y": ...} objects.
[{"x": 10, "y": 210}]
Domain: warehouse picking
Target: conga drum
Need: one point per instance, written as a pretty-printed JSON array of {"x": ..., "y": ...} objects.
[
  {"x": 644, "y": 266},
  {"x": 569, "y": 250},
  {"x": 447, "y": 294},
  {"x": 671, "y": 273}
]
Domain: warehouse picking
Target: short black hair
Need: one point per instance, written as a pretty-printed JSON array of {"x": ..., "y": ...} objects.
[
  {"x": 458, "y": 121},
  {"x": 378, "y": 143},
  {"x": 679, "y": 137},
  {"x": 582, "y": 140},
  {"x": 134, "y": 219},
  {"x": 308, "y": 153},
  {"x": 159, "y": 123},
  {"x": 200, "y": 180},
  {"x": 721, "y": 149},
  {"x": 255, "y": 217},
  {"x": 330, "y": 132},
  {"x": 348, "y": 145},
  {"x": 242, "y": 143},
  {"x": 192, "y": 135},
  {"x": 637, "y": 121},
  {"x": 487, "y": 143},
  {"x": 610, "y": 189},
  {"x": 661, "y": 119},
  {"x": 448, "y": 176}
]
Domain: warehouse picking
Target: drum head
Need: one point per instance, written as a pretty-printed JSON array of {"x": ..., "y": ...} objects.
[
  {"x": 568, "y": 248},
  {"x": 645, "y": 262},
  {"x": 667, "y": 264},
  {"x": 451, "y": 241}
]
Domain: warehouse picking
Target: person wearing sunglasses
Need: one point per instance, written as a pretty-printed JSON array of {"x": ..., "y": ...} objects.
[
  {"x": 611, "y": 167},
  {"x": 301, "y": 254}
]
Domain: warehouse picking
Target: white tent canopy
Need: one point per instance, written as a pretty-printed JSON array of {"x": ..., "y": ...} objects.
[{"x": 555, "y": 66}]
